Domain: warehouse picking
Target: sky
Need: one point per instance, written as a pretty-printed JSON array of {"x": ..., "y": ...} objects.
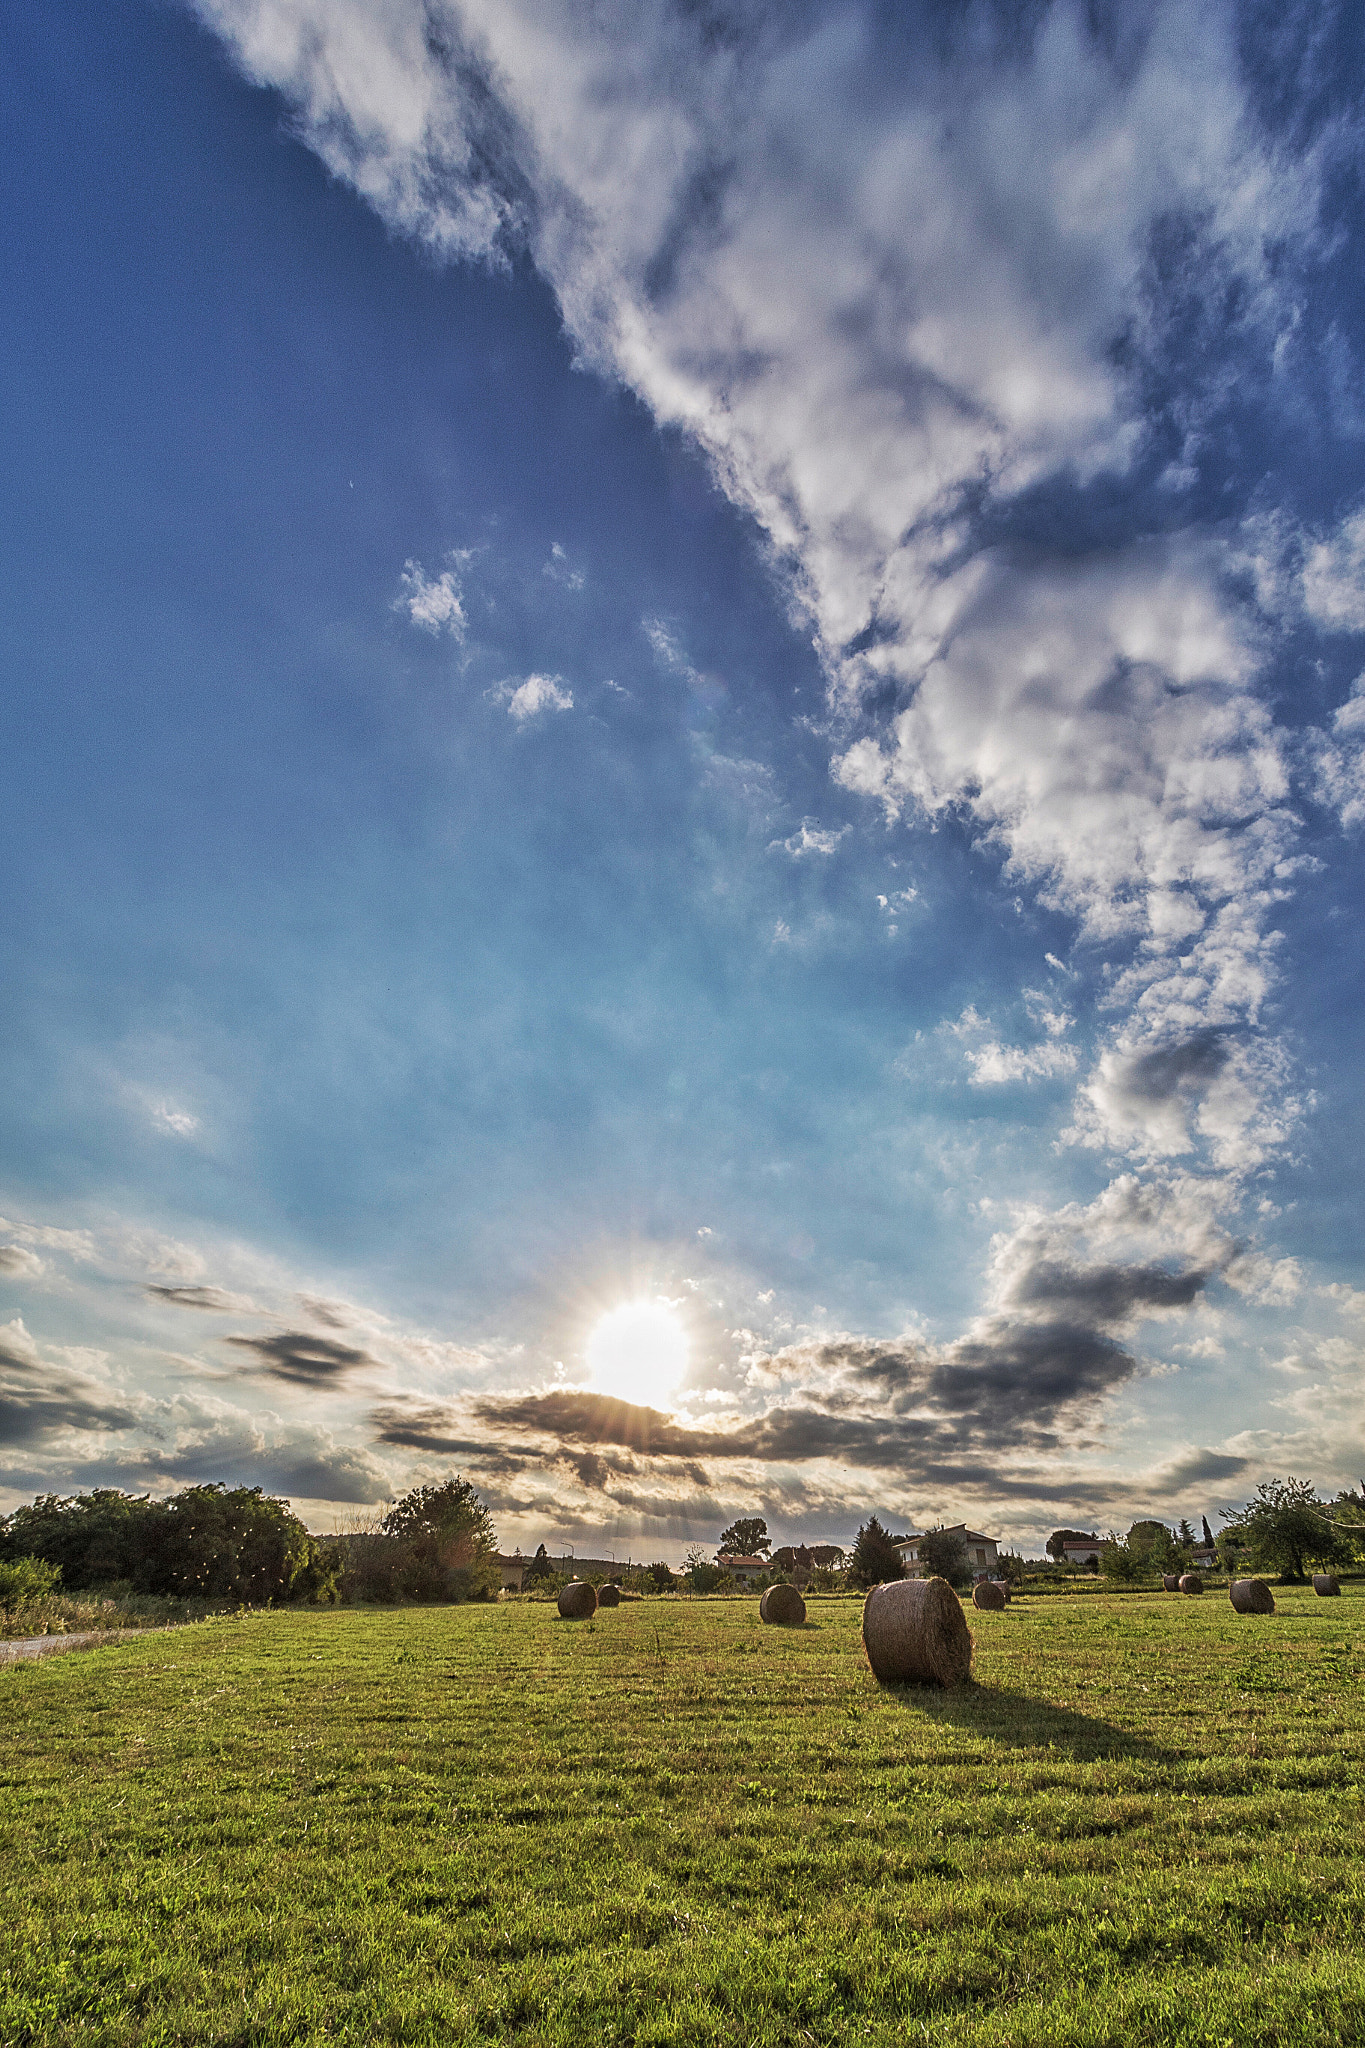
[{"x": 684, "y": 758}]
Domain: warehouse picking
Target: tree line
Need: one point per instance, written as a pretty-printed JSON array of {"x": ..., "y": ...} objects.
[{"x": 238, "y": 1545}]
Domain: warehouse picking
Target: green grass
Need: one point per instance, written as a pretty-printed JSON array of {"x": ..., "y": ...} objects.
[{"x": 672, "y": 1825}]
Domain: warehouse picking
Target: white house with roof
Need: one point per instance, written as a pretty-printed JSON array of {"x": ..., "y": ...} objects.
[
  {"x": 1082, "y": 1550},
  {"x": 983, "y": 1552},
  {"x": 742, "y": 1568}
]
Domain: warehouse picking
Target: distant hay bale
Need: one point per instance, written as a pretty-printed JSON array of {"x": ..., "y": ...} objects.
[
  {"x": 1190, "y": 1582},
  {"x": 1326, "y": 1585},
  {"x": 1251, "y": 1596},
  {"x": 1170, "y": 1582},
  {"x": 1005, "y": 1588},
  {"x": 578, "y": 1601},
  {"x": 783, "y": 1606},
  {"x": 609, "y": 1596},
  {"x": 915, "y": 1633},
  {"x": 989, "y": 1596}
]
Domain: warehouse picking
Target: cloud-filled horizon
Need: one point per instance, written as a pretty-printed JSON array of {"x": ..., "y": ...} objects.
[{"x": 689, "y": 761}]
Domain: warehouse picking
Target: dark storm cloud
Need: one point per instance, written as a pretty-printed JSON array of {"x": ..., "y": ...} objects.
[
  {"x": 212, "y": 1298},
  {"x": 1186, "y": 1068},
  {"x": 1105, "y": 1295},
  {"x": 414, "y": 1426},
  {"x": 38, "y": 1401},
  {"x": 1199, "y": 1468},
  {"x": 302, "y": 1359}
]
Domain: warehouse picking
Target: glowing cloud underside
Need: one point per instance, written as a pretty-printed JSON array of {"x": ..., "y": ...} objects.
[{"x": 638, "y": 1352}]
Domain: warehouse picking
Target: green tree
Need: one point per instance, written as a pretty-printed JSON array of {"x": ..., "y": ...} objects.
[
  {"x": 943, "y": 1553},
  {"x": 239, "y": 1544},
  {"x": 875, "y": 1557},
  {"x": 448, "y": 1539},
  {"x": 1285, "y": 1528},
  {"x": 746, "y": 1537},
  {"x": 660, "y": 1577},
  {"x": 1121, "y": 1564},
  {"x": 92, "y": 1538}
]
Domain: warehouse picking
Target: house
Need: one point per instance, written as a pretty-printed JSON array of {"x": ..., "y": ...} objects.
[
  {"x": 1081, "y": 1550},
  {"x": 983, "y": 1553},
  {"x": 742, "y": 1568},
  {"x": 512, "y": 1572}
]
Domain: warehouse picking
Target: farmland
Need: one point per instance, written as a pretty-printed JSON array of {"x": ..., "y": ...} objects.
[{"x": 1145, "y": 1823}]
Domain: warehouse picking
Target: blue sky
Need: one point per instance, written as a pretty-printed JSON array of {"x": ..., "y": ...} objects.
[{"x": 691, "y": 658}]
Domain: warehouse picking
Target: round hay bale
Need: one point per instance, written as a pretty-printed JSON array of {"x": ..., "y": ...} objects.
[
  {"x": 1006, "y": 1588},
  {"x": 1190, "y": 1582},
  {"x": 783, "y": 1606},
  {"x": 988, "y": 1595},
  {"x": 1251, "y": 1596},
  {"x": 1170, "y": 1582},
  {"x": 578, "y": 1601},
  {"x": 915, "y": 1633},
  {"x": 609, "y": 1596},
  {"x": 1326, "y": 1585}
]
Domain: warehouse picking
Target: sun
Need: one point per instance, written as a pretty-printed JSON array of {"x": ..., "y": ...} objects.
[{"x": 638, "y": 1352}]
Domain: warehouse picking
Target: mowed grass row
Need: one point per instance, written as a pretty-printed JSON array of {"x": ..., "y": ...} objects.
[{"x": 671, "y": 1824}]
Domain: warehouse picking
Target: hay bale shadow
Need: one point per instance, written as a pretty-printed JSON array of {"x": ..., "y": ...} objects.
[{"x": 1022, "y": 1721}]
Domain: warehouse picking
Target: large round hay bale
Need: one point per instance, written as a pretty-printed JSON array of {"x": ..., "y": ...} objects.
[
  {"x": 1005, "y": 1588},
  {"x": 1170, "y": 1582},
  {"x": 1251, "y": 1596},
  {"x": 987, "y": 1595},
  {"x": 609, "y": 1596},
  {"x": 783, "y": 1606},
  {"x": 578, "y": 1601},
  {"x": 1190, "y": 1582},
  {"x": 1326, "y": 1585},
  {"x": 915, "y": 1633}
]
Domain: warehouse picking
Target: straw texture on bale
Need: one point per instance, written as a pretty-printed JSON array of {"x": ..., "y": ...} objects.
[
  {"x": 782, "y": 1605},
  {"x": 1251, "y": 1596},
  {"x": 609, "y": 1596},
  {"x": 989, "y": 1596},
  {"x": 1326, "y": 1585},
  {"x": 915, "y": 1633},
  {"x": 1170, "y": 1582},
  {"x": 1190, "y": 1582},
  {"x": 1005, "y": 1588},
  {"x": 578, "y": 1601}
]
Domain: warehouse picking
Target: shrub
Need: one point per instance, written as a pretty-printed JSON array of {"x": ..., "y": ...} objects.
[{"x": 437, "y": 1543}]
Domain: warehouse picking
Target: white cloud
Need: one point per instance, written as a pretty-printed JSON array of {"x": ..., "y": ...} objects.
[
  {"x": 810, "y": 838},
  {"x": 993, "y": 1064},
  {"x": 433, "y": 603},
  {"x": 560, "y": 570},
  {"x": 536, "y": 694},
  {"x": 180, "y": 1123},
  {"x": 17, "y": 1262},
  {"x": 1334, "y": 578}
]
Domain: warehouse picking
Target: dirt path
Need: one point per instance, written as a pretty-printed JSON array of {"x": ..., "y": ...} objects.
[{"x": 26, "y": 1647}]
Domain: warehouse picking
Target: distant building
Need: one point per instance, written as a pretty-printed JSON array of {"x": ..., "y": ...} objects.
[
  {"x": 1082, "y": 1550},
  {"x": 742, "y": 1568},
  {"x": 983, "y": 1553}
]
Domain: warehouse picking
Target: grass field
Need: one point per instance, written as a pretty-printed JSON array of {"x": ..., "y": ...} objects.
[{"x": 1145, "y": 1824}]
